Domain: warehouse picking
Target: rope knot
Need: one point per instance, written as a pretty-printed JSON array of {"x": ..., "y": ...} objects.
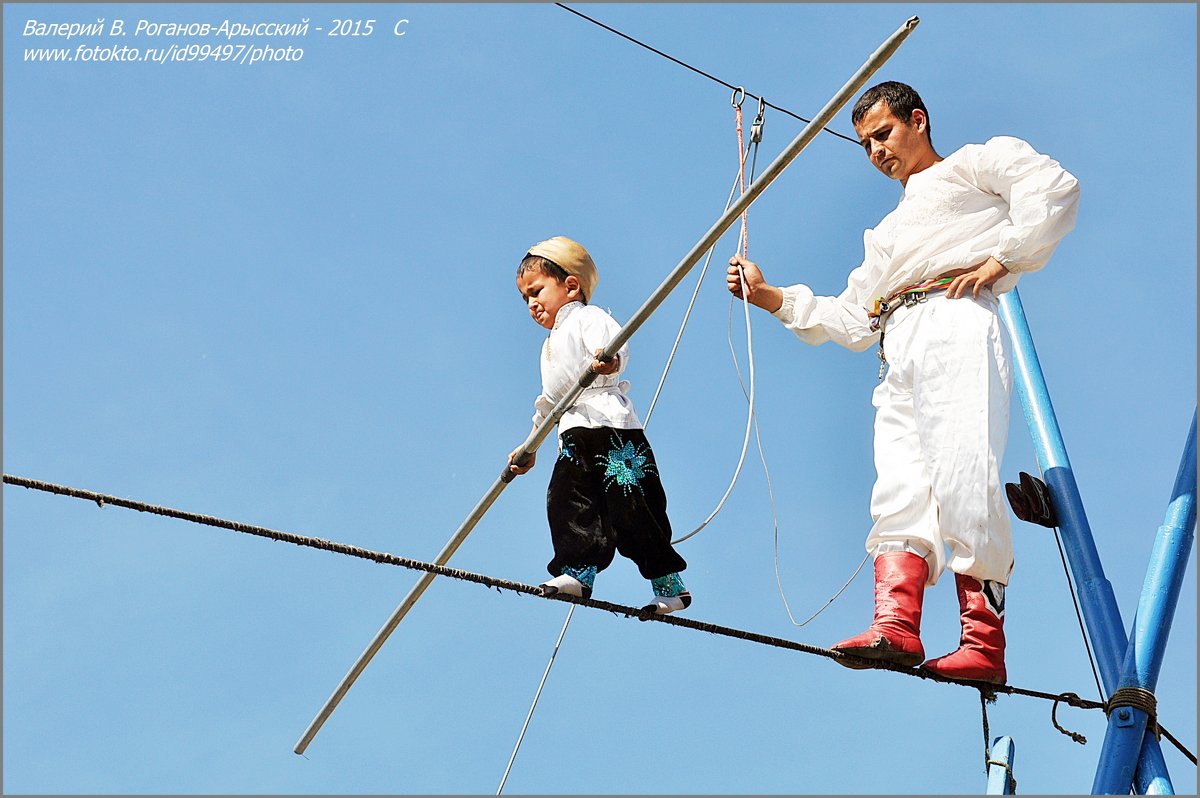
[{"x": 1069, "y": 698}]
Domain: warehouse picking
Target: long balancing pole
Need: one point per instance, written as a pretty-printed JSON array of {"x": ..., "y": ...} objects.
[{"x": 732, "y": 214}]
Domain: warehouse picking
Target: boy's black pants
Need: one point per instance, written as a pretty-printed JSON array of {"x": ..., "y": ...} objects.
[{"x": 605, "y": 496}]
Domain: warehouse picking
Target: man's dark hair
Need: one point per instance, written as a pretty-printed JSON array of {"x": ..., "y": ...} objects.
[{"x": 901, "y": 98}]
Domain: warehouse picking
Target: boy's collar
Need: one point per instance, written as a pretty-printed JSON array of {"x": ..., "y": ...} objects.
[{"x": 566, "y": 310}]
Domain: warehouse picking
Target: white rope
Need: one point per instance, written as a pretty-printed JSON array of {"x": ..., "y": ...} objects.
[
  {"x": 750, "y": 413},
  {"x": 771, "y": 491},
  {"x": 687, "y": 315},
  {"x": 538, "y": 695}
]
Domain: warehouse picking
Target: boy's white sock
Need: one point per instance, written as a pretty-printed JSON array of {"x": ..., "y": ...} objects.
[
  {"x": 665, "y": 605},
  {"x": 566, "y": 584}
]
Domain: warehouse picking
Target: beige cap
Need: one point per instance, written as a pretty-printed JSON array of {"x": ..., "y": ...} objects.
[{"x": 572, "y": 258}]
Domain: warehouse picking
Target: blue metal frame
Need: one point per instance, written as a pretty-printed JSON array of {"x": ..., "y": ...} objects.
[
  {"x": 1001, "y": 780},
  {"x": 1151, "y": 626},
  {"x": 1097, "y": 600}
]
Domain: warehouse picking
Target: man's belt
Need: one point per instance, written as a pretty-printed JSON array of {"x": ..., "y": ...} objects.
[{"x": 905, "y": 297}]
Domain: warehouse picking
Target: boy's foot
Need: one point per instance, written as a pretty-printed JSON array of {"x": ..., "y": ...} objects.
[
  {"x": 565, "y": 584},
  {"x": 665, "y": 605},
  {"x": 670, "y": 595}
]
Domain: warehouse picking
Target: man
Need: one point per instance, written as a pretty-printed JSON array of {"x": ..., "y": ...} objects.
[{"x": 966, "y": 227}]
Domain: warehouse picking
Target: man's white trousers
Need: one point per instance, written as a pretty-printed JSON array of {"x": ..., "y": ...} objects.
[{"x": 941, "y": 424}]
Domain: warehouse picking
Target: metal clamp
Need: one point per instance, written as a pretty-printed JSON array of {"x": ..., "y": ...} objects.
[{"x": 756, "y": 129}]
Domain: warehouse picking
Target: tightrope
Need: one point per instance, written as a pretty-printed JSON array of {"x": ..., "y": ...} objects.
[
  {"x": 102, "y": 499},
  {"x": 986, "y": 689}
]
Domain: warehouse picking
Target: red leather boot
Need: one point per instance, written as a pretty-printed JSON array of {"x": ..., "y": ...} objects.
[
  {"x": 895, "y": 634},
  {"x": 980, "y": 655}
]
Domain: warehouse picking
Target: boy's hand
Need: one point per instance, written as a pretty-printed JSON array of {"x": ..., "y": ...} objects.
[
  {"x": 520, "y": 469},
  {"x": 606, "y": 367}
]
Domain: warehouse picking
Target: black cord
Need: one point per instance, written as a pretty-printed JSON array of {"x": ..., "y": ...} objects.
[
  {"x": 1079, "y": 615},
  {"x": 685, "y": 65}
]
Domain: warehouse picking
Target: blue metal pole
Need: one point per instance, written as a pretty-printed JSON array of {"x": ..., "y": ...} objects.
[
  {"x": 1001, "y": 780},
  {"x": 1151, "y": 627},
  {"x": 1097, "y": 601}
]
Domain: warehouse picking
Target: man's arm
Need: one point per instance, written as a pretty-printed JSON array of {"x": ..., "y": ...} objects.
[
  {"x": 814, "y": 319},
  {"x": 1042, "y": 198},
  {"x": 759, "y": 292}
]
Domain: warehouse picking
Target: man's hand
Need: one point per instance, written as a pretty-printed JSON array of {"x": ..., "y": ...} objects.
[
  {"x": 978, "y": 278},
  {"x": 758, "y": 291},
  {"x": 606, "y": 367},
  {"x": 520, "y": 469}
]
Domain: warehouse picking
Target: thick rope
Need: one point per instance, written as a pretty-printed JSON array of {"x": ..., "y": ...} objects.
[
  {"x": 504, "y": 584},
  {"x": 986, "y": 690},
  {"x": 987, "y": 734},
  {"x": 1076, "y": 736},
  {"x": 1137, "y": 698},
  {"x": 101, "y": 499}
]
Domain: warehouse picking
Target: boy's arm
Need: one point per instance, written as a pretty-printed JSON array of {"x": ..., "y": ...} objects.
[
  {"x": 606, "y": 367},
  {"x": 598, "y": 329},
  {"x": 522, "y": 467}
]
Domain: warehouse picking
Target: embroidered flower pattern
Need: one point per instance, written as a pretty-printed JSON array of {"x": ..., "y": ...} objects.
[
  {"x": 625, "y": 466},
  {"x": 568, "y": 452}
]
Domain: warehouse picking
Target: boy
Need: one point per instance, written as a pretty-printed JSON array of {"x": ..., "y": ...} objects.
[{"x": 604, "y": 495}]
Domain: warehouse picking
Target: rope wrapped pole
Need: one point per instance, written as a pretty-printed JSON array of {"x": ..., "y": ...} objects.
[
  {"x": 1134, "y": 704},
  {"x": 1097, "y": 599},
  {"x": 531, "y": 444}
]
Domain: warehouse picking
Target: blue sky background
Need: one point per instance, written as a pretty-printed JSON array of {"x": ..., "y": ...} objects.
[{"x": 283, "y": 294}]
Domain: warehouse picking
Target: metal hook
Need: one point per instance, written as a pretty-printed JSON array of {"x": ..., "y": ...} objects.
[
  {"x": 735, "y": 100},
  {"x": 756, "y": 129}
]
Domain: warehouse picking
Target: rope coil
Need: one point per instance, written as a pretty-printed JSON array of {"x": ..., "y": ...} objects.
[{"x": 1137, "y": 698}]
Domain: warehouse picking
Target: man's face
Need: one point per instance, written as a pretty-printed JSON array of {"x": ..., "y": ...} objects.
[{"x": 898, "y": 149}]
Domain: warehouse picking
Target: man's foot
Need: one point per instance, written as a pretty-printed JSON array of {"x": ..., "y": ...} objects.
[
  {"x": 895, "y": 633},
  {"x": 980, "y": 654}
]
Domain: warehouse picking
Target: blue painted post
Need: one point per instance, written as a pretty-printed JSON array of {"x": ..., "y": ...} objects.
[
  {"x": 1097, "y": 601},
  {"x": 1001, "y": 780},
  {"x": 1151, "y": 626}
]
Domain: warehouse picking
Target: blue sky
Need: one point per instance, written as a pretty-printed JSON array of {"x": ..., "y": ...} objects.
[{"x": 282, "y": 293}]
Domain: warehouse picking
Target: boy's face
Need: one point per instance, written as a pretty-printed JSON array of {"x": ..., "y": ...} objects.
[{"x": 545, "y": 295}]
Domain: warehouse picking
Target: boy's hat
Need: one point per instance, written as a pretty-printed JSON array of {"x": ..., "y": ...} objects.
[{"x": 572, "y": 258}]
